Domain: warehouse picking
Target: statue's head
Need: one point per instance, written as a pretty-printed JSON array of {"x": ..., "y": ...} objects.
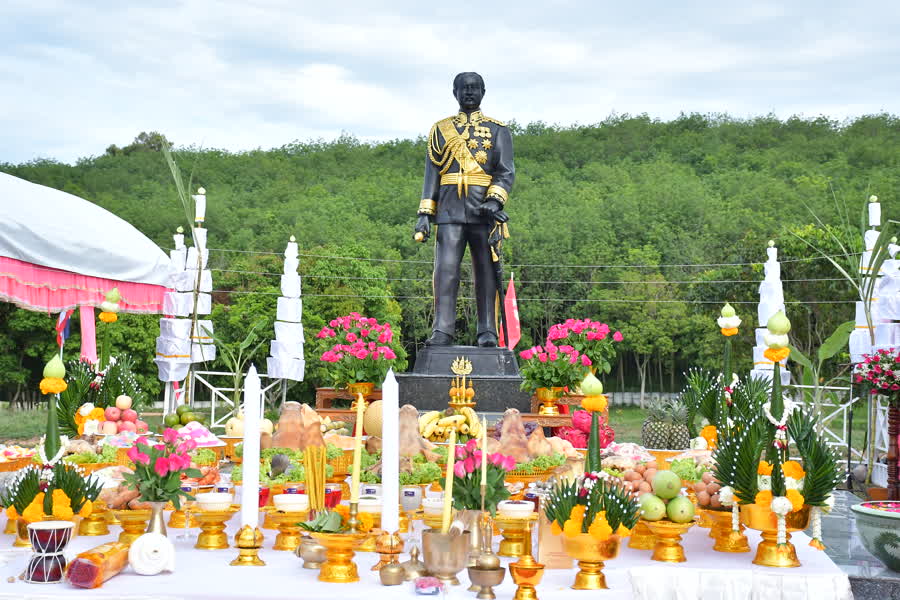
[{"x": 468, "y": 88}]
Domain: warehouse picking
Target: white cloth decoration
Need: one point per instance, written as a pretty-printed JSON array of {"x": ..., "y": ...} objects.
[
  {"x": 203, "y": 352},
  {"x": 794, "y": 484},
  {"x": 151, "y": 554},
  {"x": 729, "y": 322},
  {"x": 286, "y": 360},
  {"x": 776, "y": 341},
  {"x": 171, "y": 369},
  {"x": 175, "y": 328},
  {"x": 290, "y": 285},
  {"x": 289, "y": 309},
  {"x": 173, "y": 347},
  {"x": 192, "y": 258}
]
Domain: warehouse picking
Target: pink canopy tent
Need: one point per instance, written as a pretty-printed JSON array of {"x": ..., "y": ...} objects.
[{"x": 59, "y": 251}]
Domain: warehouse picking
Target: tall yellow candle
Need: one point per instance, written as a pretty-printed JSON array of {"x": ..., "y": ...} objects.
[
  {"x": 357, "y": 450},
  {"x": 448, "y": 484},
  {"x": 484, "y": 459}
]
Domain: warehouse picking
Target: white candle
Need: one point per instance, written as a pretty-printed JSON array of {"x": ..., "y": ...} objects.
[
  {"x": 357, "y": 450},
  {"x": 484, "y": 460},
  {"x": 252, "y": 418},
  {"x": 448, "y": 483},
  {"x": 390, "y": 454}
]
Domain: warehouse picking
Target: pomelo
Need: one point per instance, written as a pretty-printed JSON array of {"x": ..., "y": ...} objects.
[
  {"x": 182, "y": 408},
  {"x": 652, "y": 508},
  {"x": 680, "y": 509},
  {"x": 666, "y": 484}
]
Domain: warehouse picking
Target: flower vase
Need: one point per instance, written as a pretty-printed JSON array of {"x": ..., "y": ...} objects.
[
  {"x": 355, "y": 389},
  {"x": 49, "y": 540},
  {"x": 769, "y": 553},
  {"x": 549, "y": 399},
  {"x": 157, "y": 523},
  {"x": 590, "y": 554}
]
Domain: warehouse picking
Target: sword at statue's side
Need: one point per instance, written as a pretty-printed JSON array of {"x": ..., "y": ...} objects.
[{"x": 496, "y": 242}]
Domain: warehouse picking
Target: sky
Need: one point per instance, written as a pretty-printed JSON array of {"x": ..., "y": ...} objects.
[{"x": 79, "y": 75}]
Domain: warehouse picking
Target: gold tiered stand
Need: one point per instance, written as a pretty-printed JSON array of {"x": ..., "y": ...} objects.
[
  {"x": 288, "y": 524},
  {"x": 212, "y": 528},
  {"x": 769, "y": 553},
  {"x": 590, "y": 554},
  {"x": 641, "y": 537},
  {"x": 726, "y": 539},
  {"x": 180, "y": 520},
  {"x": 514, "y": 532},
  {"x": 134, "y": 523},
  {"x": 339, "y": 549},
  {"x": 526, "y": 572},
  {"x": 95, "y": 523},
  {"x": 668, "y": 540}
]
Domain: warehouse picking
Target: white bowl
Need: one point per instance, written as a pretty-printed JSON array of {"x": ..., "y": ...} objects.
[
  {"x": 291, "y": 502},
  {"x": 515, "y": 509},
  {"x": 433, "y": 506},
  {"x": 213, "y": 501}
]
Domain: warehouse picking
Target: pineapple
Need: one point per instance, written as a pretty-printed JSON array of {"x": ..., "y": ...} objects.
[
  {"x": 680, "y": 434},
  {"x": 655, "y": 432}
]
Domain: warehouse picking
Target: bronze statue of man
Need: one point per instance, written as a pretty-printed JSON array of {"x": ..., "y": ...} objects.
[{"x": 469, "y": 173}]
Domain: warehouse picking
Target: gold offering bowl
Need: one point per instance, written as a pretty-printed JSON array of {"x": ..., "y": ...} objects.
[
  {"x": 95, "y": 523},
  {"x": 485, "y": 579},
  {"x": 445, "y": 554},
  {"x": 641, "y": 537},
  {"x": 434, "y": 521},
  {"x": 726, "y": 539},
  {"x": 288, "y": 524},
  {"x": 526, "y": 573},
  {"x": 180, "y": 520},
  {"x": 668, "y": 540},
  {"x": 590, "y": 554},
  {"x": 513, "y": 531},
  {"x": 212, "y": 528},
  {"x": 549, "y": 399},
  {"x": 134, "y": 523},
  {"x": 339, "y": 549},
  {"x": 768, "y": 552}
]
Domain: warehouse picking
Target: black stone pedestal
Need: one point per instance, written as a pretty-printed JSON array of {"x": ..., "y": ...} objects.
[{"x": 495, "y": 379}]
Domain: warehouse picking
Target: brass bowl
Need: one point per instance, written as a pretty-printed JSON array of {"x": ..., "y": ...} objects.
[
  {"x": 762, "y": 519},
  {"x": 312, "y": 553},
  {"x": 485, "y": 580},
  {"x": 445, "y": 554},
  {"x": 590, "y": 554}
]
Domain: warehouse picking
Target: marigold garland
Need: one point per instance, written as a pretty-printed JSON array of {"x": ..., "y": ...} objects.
[
  {"x": 555, "y": 529},
  {"x": 796, "y": 499},
  {"x": 594, "y": 403},
  {"x": 729, "y": 331},
  {"x": 764, "y": 468},
  {"x": 763, "y": 498},
  {"x": 600, "y": 529},
  {"x": 793, "y": 469},
  {"x": 711, "y": 435},
  {"x": 53, "y": 385},
  {"x": 777, "y": 355},
  {"x": 109, "y": 317}
]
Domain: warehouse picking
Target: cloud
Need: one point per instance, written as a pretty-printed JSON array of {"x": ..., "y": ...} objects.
[{"x": 76, "y": 77}]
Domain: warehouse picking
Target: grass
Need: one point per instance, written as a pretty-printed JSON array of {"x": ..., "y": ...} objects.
[
  {"x": 19, "y": 426},
  {"x": 626, "y": 420}
]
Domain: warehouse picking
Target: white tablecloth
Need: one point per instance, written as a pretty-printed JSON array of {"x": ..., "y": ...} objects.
[{"x": 202, "y": 575}]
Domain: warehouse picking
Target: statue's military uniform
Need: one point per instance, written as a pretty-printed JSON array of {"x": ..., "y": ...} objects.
[{"x": 469, "y": 162}]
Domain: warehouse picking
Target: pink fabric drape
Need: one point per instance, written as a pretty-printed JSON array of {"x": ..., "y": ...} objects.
[
  {"x": 44, "y": 289},
  {"x": 88, "y": 334}
]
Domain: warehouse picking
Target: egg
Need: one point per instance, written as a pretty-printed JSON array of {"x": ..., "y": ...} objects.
[
  {"x": 649, "y": 474},
  {"x": 640, "y": 469},
  {"x": 713, "y": 488},
  {"x": 715, "y": 502},
  {"x": 699, "y": 487},
  {"x": 644, "y": 486},
  {"x": 707, "y": 477},
  {"x": 703, "y": 498},
  {"x": 652, "y": 465}
]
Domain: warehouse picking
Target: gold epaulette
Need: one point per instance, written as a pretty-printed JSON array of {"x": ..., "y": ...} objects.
[{"x": 493, "y": 120}]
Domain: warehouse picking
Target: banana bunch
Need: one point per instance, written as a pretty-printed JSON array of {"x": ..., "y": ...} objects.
[{"x": 435, "y": 426}]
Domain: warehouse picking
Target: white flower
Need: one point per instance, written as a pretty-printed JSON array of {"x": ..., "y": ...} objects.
[
  {"x": 775, "y": 341},
  {"x": 781, "y": 506},
  {"x": 85, "y": 409},
  {"x": 729, "y": 322},
  {"x": 726, "y": 496},
  {"x": 699, "y": 443},
  {"x": 764, "y": 482},
  {"x": 794, "y": 484},
  {"x": 112, "y": 360},
  {"x": 829, "y": 504}
]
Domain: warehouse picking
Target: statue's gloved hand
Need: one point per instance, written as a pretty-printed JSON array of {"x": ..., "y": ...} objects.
[
  {"x": 423, "y": 226},
  {"x": 489, "y": 208}
]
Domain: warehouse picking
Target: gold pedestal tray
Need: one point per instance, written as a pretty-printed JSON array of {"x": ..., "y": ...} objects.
[
  {"x": 726, "y": 539},
  {"x": 288, "y": 524},
  {"x": 268, "y": 521},
  {"x": 769, "y": 553},
  {"x": 181, "y": 520},
  {"x": 706, "y": 521},
  {"x": 111, "y": 518},
  {"x": 527, "y": 574},
  {"x": 590, "y": 554},
  {"x": 668, "y": 540},
  {"x": 248, "y": 542},
  {"x": 514, "y": 533},
  {"x": 434, "y": 521},
  {"x": 95, "y": 523},
  {"x": 134, "y": 523},
  {"x": 212, "y": 528},
  {"x": 339, "y": 549},
  {"x": 641, "y": 537}
]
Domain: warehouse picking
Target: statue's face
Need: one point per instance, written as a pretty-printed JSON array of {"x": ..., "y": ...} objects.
[{"x": 469, "y": 92}]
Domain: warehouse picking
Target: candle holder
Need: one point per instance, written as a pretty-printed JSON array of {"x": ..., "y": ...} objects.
[
  {"x": 389, "y": 546},
  {"x": 339, "y": 549},
  {"x": 181, "y": 520},
  {"x": 353, "y": 517},
  {"x": 668, "y": 540},
  {"x": 526, "y": 572},
  {"x": 95, "y": 523},
  {"x": 288, "y": 524},
  {"x": 514, "y": 531},
  {"x": 212, "y": 524},
  {"x": 641, "y": 537},
  {"x": 134, "y": 523},
  {"x": 248, "y": 541}
]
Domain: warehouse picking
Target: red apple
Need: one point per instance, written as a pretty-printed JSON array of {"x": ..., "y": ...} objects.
[
  {"x": 123, "y": 402},
  {"x": 141, "y": 426},
  {"x": 109, "y": 428},
  {"x": 129, "y": 415},
  {"x": 112, "y": 413},
  {"x": 127, "y": 426}
]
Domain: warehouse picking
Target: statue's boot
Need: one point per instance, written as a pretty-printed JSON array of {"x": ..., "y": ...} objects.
[
  {"x": 439, "y": 338},
  {"x": 487, "y": 340}
]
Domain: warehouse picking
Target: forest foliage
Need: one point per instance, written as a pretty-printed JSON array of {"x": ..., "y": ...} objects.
[{"x": 644, "y": 224}]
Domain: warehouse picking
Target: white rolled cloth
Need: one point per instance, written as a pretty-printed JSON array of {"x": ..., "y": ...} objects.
[{"x": 151, "y": 554}]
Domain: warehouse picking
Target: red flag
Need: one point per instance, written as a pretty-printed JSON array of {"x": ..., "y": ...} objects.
[
  {"x": 62, "y": 326},
  {"x": 511, "y": 308}
]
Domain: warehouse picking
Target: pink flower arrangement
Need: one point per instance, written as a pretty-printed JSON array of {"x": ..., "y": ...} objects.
[
  {"x": 158, "y": 468},
  {"x": 881, "y": 372},
  {"x": 358, "y": 349},
  {"x": 467, "y": 477},
  {"x": 590, "y": 338}
]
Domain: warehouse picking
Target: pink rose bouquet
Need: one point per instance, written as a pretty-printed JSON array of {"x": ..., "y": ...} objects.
[
  {"x": 881, "y": 372},
  {"x": 159, "y": 467},
  {"x": 553, "y": 365},
  {"x": 467, "y": 477},
  {"x": 591, "y": 338},
  {"x": 357, "y": 349}
]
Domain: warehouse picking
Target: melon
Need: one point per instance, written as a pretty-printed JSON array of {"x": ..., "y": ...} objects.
[
  {"x": 372, "y": 419},
  {"x": 266, "y": 426},
  {"x": 234, "y": 427}
]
